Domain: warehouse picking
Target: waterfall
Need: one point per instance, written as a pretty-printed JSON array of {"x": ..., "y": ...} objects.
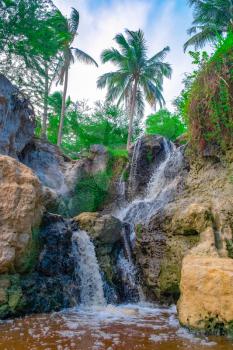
[
  {"x": 134, "y": 167},
  {"x": 160, "y": 190},
  {"x": 87, "y": 270}
]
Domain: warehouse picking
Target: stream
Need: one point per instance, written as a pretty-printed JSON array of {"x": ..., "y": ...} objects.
[{"x": 125, "y": 327}]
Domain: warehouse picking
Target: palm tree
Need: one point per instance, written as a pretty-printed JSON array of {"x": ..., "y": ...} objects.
[
  {"x": 68, "y": 57},
  {"x": 212, "y": 19},
  {"x": 137, "y": 78}
]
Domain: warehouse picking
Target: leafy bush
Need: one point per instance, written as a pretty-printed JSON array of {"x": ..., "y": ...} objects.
[
  {"x": 166, "y": 124},
  {"x": 91, "y": 192},
  {"x": 210, "y": 105}
]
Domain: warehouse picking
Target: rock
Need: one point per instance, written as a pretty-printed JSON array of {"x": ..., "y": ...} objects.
[
  {"x": 146, "y": 155},
  {"x": 56, "y": 247},
  {"x": 60, "y": 175},
  {"x": 106, "y": 233},
  {"x": 206, "y": 300},
  {"x": 20, "y": 212},
  {"x": 55, "y": 171},
  {"x": 159, "y": 253},
  {"x": 3, "y": 296},
  {"x": 17, "y": 121},
  {"x": 104, "y": 228},
  {"x": 99, "y": 157},
  {"x": 199, "y": 221}
]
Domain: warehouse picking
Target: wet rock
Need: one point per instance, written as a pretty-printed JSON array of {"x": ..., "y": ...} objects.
[
  {"x": 207, "y": 294},
  {"x": 199, "y": 221},
  {"x": 56, "y": 247},
  {"x": 106, "y": 233},
  {"x": 21, "y": 212},
  {"x": 146, "y": 156},
  {"x": 17, "y": 121},
  {"x": 104, "y": 228}
]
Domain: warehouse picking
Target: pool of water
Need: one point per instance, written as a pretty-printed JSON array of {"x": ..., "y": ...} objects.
[{"x": 127, "y": 327}]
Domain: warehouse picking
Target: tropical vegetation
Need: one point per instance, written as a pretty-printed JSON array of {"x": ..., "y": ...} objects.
[
  {"x": 69, "y": 54},
  {"x": 166, "y": 124},
  {"x": 38, "y": 47},
  {"x": 138, "y": 77},
  {"x": 212, "y": 19}
]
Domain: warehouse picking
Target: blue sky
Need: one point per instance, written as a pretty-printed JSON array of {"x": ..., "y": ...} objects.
[{"x": 164, "y": 22}]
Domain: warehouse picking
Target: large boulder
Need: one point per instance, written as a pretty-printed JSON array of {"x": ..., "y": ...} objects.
[
  {"x": 206, "y": 301},
  {"x": 200, "y": 218},
  {"x": 20, "y": 213},
  {"x": 60, "y": 175},
  {"x": 104, "y": 228},
  {"x": 16, "y": 119}
]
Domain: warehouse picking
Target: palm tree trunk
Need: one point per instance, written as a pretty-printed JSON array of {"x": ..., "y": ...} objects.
[
  {"x": 46, "y": 95},
  {"x": 63, "y": 109},
  {"x": 131, "y": 113}
]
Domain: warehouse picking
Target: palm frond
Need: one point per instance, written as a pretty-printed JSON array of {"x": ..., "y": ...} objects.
[
  {"x": 199, "y": 40},
  {"x": 83, "y": 57},
  {"x": 112, "y": 55},
  {"x": 74, "y": 21},
  {"x": 160, "y": 56},
  {"x": 122, "y": 42},
  {"x": 140, "y": 104}
]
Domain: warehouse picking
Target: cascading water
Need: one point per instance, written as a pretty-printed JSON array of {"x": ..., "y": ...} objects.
[
  {"x": 87, "y": 270},
  {"x": 134, "y": 167},
  {"x": 160, "y": 190}
]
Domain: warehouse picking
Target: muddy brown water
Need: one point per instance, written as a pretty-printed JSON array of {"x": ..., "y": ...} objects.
[{"x": 129, "y": 327}]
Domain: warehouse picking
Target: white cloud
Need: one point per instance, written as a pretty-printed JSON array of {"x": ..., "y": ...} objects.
[{"x": 98, "y": 27}]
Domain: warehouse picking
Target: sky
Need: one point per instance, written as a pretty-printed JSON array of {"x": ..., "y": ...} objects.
[{"x": 164, "y": 23}]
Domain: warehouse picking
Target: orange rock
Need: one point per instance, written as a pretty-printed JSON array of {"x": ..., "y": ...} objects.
[
  {"x": 20, "y": 211},
  {"x": 206, "y": 292}
]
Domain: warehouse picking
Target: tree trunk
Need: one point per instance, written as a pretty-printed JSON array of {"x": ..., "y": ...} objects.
[
  {"x": 63, "y": 109},
  {"x": 46, "y": 95},
  {"x": 131, "y": 113}
]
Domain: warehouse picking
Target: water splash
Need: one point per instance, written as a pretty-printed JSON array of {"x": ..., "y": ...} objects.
[
  {"x": 134, "y": 168},
  {"x": 160, "y": 190},
  {"x": 87, "y": 270}
]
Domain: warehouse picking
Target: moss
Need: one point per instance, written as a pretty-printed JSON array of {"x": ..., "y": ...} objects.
[
  {"x": 229, "y": 244},
  {"x": 15, "y": 296},
  {"x": 149, "y": 156},
  {"x": 210, "y": 106},
  {"x": 4, "y": 311},
  {"x": 139, "y": 231},
  {"x": 28, "y": 261}
]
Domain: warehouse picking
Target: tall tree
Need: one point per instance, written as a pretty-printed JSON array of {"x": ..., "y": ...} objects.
[
  {"x": 137, "y": 78},
  {"x": 31, "y": 34},
  {"x": 69, "y": 55},
  {"x": 212, "y": 19}
]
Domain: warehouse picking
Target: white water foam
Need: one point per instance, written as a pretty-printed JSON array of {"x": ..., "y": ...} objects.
[{"x": 87, "y": 270}]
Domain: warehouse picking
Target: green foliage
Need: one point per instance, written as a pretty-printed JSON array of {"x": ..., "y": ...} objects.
[
  {"x": 137, "y": 78},
  {"x": 83, "y": 127},
  {"x": 91, "y": 192},
  {"x": 212, "y": 19},
  {"x": 118, "y": 153},
  {"x": 131, "y": 60},
  {"x": 31, "y": 36},
  {"x": 166, "y": 124},
  {"x": 229, "y": 244},
  {"x": 210, "y": 104}
]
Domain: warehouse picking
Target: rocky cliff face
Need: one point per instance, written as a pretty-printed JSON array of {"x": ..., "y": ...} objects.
[
  {"x": 21, "y": 210},
  {"x": 197, "y": 225},
  {"x": 16, "y": 119}
]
